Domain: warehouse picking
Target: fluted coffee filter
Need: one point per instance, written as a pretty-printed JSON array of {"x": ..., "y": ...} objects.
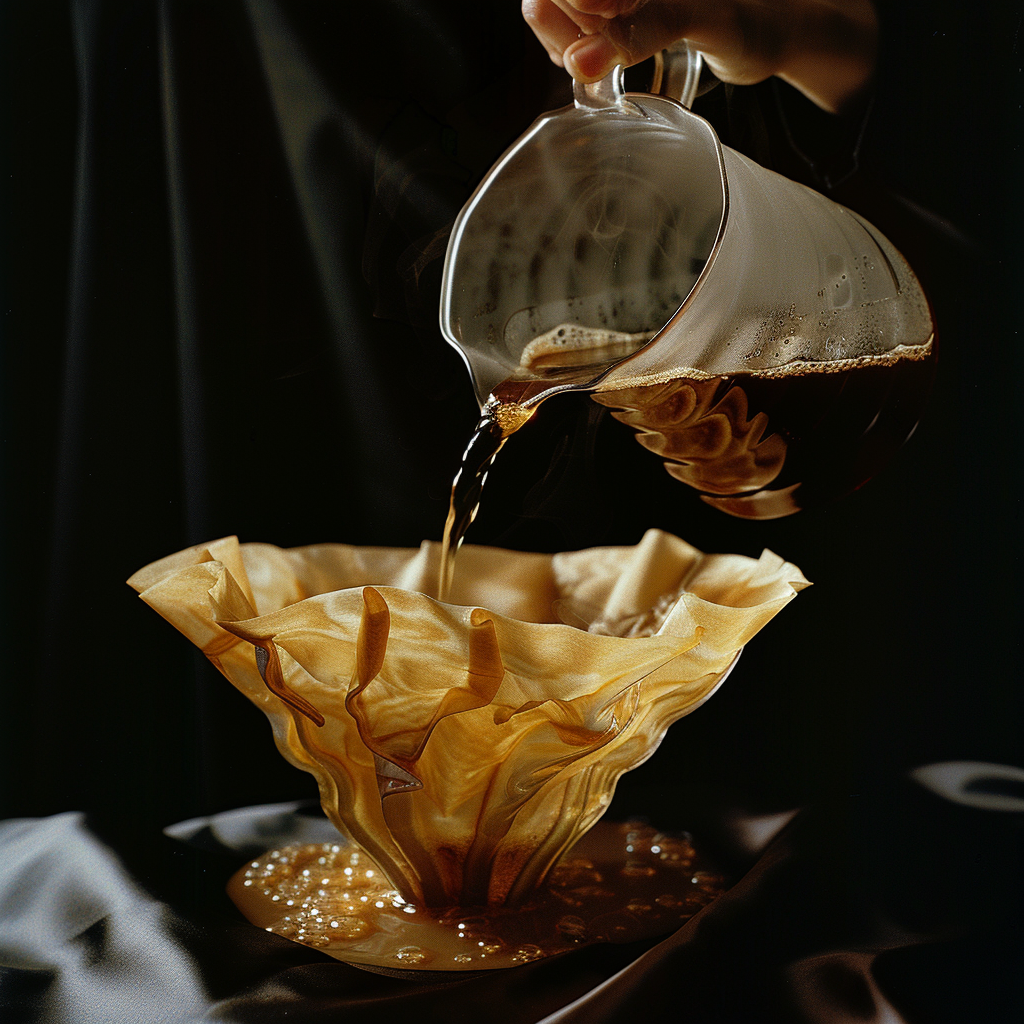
[{"x": 465, "y": 746}]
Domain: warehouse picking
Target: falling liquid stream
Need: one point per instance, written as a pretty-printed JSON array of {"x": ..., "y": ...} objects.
[{"x": 503, "y": 414}]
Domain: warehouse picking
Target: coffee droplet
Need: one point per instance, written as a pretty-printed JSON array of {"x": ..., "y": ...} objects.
[
  {"x": 347, "y": 929},
  {"x": 708, "y": 881},
  {"x": 526, "y": 953},
  {"x": 639, "y": 837},
  {"x": 673, "y": 851},
  {"x": 414, "y": 955},
  {"x": 471, "y": 927}
]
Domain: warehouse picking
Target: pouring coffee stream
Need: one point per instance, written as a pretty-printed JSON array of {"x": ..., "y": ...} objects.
[
  {"x": 755, "y": 446},
  {"x": 771, "y": 346},
  {"x": 566, "y": 351},
  {"x": 502, "y": 415}
]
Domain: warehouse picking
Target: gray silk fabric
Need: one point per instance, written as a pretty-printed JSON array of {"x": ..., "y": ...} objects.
[
  {"x": 80, "y": 940},
  {"x": 828, "y": 923}
]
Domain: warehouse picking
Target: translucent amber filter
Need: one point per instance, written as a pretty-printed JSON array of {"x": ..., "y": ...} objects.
[{"x": 466, "y": 746}]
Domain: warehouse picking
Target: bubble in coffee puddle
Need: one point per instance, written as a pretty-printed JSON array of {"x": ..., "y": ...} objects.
[{"x": 621, "y": 883}]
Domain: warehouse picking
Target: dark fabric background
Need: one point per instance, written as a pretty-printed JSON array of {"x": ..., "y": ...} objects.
[{"x": 223, "y": 228}]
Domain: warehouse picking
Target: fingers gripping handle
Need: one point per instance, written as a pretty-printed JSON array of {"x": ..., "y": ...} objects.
[
  {"x": 607, "y": 92},
  {"x": 677, "y": 75}
]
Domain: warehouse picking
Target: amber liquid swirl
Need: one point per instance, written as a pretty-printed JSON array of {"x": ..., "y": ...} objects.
[
  {"x": 767, "y": 444},
  {"x": 503, "y": 414},
  {"x": 756, "y": 445}
]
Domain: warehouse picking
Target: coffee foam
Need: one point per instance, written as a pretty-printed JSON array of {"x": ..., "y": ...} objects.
[
  {"x": 898, "y": 354},
  {"x": 573, "y": 345}
]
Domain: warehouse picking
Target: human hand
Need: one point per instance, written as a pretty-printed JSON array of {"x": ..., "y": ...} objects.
[{"x": 824, "y": 48}]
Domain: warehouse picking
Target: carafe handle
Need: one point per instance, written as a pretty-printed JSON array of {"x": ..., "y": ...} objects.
[
  {"x": 678, "y": 73},
  {"x": 607, "y": 92}
]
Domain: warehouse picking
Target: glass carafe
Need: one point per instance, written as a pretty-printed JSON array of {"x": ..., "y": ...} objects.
[{"x": 771, "y": 345}]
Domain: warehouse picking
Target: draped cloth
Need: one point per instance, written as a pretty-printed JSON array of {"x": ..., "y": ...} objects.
[{"x": 844, "y": 915}]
